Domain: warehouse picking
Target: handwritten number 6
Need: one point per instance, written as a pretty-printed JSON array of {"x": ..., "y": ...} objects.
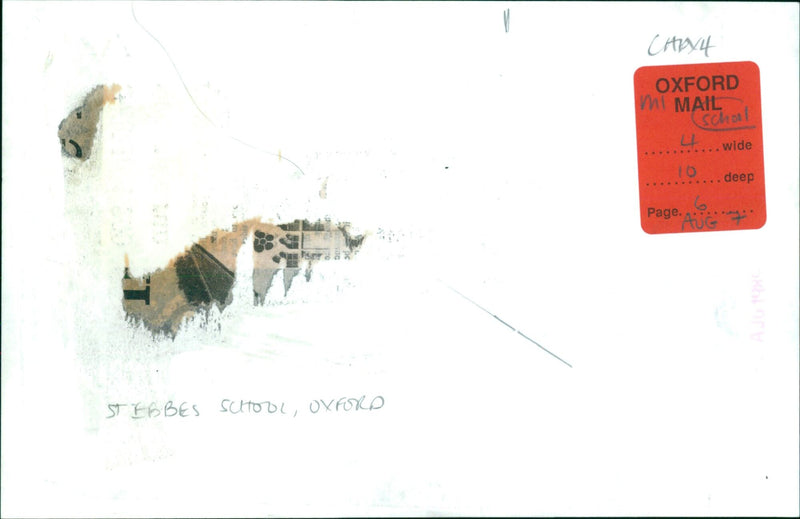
[{"x": 699, "y": 207}]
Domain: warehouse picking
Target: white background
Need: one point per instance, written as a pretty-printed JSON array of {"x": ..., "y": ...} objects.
[{"x": 501, "y": 164}]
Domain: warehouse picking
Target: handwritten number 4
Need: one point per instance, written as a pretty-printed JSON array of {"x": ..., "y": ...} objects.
[{"x": 690, "y": 143}]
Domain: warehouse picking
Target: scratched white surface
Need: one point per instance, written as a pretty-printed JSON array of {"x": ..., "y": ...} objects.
[{"x": 500, "y": 163}]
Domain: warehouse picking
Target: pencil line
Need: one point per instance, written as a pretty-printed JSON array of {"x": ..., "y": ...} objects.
[
  {"x": 519, "y": 332},
  {"x": 191, "y": 97},
  {"x": 174, "y": 66}
]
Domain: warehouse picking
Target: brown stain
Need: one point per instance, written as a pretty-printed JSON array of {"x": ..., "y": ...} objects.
[
  {"x": 203, "y": 275},
  {"x": 77, "y": 131},
  {"x": 110, "y": 93}
]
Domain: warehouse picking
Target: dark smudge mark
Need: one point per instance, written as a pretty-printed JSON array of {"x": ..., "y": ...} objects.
[
  {"x": 204, "y": 274},
  {"x": 76, "y": 132}
]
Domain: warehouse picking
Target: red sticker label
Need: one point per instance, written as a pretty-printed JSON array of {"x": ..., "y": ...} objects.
[{"x": 701, "y": 156}]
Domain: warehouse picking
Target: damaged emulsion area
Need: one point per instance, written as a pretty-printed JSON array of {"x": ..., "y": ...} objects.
[
  {"x": 77, "y": 131},
  {"x": 204, "y": 274}
]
